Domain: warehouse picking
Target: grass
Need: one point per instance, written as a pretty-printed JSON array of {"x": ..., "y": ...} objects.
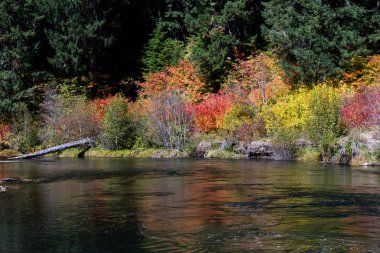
[
  {"x": 145, "y": 153},
  {"x": 223, "y": 154},
  {"x": 8, "y": 153},
  {"x": 126, "y": 153}
]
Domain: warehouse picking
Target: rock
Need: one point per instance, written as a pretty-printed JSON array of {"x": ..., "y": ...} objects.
[
  {"x": 3, "y": 189},
  {"x": 201, "y": 150},
  {"x": 358, "y": 148},
  {"x": 255, "y": 149},
  {"x": 9, "y": 179},
  {"x": 226, "y": 145}
]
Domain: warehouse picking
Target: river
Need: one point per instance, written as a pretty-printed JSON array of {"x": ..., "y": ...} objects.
[{"x": 137, "y": 205}]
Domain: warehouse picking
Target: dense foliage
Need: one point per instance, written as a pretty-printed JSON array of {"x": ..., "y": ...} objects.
[{"x": 141, "y": 73}]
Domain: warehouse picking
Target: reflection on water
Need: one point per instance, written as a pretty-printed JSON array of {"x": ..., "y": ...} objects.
[{"x": 189, "y": 206}]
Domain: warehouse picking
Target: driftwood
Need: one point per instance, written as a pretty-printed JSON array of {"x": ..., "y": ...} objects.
[{"x": 74, "y": 144}]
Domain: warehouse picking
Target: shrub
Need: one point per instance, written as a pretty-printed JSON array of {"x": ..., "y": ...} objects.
[
  {"x": 286, "y": 121},
  {"x": 170, "y": 120},
  {"x": 24, "y": 136},
  {"x": 5, "y": 131},
  {"x": 67, "y": 118},
  {"x": 290, "y": 113},
  {"x": 251, "y": 131},
  {"x": 284, "y": 143},
  {"x": 363, "y": 72},
  {"x": 118, "y": 125},
  {"x": 99, "y": 105},
  {"x": 323, "y": 125},
  {"x": 181, "y": 77},
  {"x": 209, "y": 114},
  {"x": 363, "y": 109},
  {"x": 308, "y": 154},
  {"x": 243, "y": 122}
]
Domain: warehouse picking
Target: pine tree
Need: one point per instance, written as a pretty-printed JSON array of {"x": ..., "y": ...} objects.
[
  {"x": 162, "y": 51},
  {"x": 316, "y": 39},
  {"x": 18, "y": 44},
  {"x": 216, "y": 29},
  {"x": 75, "y": 33}
]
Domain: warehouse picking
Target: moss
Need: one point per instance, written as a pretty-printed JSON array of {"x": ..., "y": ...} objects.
[
  {"x": 223, "y": 154},
  {"x": 70, "y": 153},
  {"x": 308, "y": 154}
]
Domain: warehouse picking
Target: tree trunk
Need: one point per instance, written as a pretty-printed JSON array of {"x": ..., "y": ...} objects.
[{"x": 55, "y": 149}]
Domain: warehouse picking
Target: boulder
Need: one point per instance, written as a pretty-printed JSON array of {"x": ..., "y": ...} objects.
[{"x": 255, "y": 149}]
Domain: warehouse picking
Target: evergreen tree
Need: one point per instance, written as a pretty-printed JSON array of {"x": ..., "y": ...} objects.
[
  {"x": 75, "y": 33},
  {"x": 18, "y": 44},
  {"x": 315, "y": 39},
  {"x": 217, "y": 29},
  {"x": 162, "y": 51}
]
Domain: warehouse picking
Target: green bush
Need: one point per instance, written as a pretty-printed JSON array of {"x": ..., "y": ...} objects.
[
  {"x": 118, "y": 125},
  {"x": 323, "y": 125},
  {"x": 237, "y": 116},
  {"x": 24, "y": 136}
]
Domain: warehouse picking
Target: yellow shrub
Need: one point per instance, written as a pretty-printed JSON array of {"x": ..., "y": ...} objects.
[
  {"x": 295, "y": 110},
  {"x": 289, "y": 113}
]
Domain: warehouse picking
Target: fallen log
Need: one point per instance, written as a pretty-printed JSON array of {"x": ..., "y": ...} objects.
[{"x": 74, "y": 144}]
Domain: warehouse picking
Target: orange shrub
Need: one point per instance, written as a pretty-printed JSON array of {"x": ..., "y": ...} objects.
[
  {"x": 363, "y": 74},
  {"x": 100, "y": 104},
  {"x": 181, "y": 77},
  {"x": 5, "y": 130}
]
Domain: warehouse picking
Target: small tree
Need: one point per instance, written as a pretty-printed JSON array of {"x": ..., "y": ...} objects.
[
  {"x": 256, "y": 80},
  {"x": 170, "y": 120},
  {"x": 161, "y": 51},
  {"x": 118, "y": 125}
]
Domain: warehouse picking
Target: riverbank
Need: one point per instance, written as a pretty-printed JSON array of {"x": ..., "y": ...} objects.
[{"x": 357, "y": 149}]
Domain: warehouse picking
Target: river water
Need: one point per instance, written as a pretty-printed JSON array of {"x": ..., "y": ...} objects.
[{"x": 116, "y": 205}]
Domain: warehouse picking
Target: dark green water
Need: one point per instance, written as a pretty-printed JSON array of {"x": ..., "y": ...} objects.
[{"x": 189, "y": 206}]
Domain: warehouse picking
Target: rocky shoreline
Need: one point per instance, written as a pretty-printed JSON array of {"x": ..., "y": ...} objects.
[{"x": 358, "y": 149}]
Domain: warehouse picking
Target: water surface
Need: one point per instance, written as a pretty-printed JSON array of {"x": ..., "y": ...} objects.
[{"x": 118, "y": 205}]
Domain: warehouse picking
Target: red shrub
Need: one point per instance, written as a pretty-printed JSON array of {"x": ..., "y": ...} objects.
[
  {"x": 363, "y": 109},
  {"x": 100, "y": 104},
  {"x": 210, "y": 113}
]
